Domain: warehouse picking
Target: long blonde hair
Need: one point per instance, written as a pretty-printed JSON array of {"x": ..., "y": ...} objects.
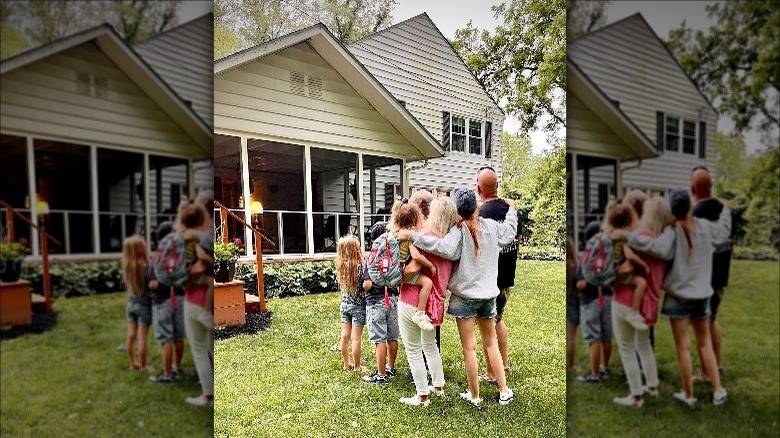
[
  {"x": 349, "y": 257},
  {"x": 135, "y": 260},
  {"x": 443, "y": 214},
  {"x": 656, "y": 215}
]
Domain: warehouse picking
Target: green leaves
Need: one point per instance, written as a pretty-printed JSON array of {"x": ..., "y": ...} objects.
[
  {"x": 287, "y": 279},
  {"x": 77, "y": 279}
]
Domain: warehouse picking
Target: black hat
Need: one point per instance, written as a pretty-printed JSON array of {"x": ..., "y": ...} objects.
[{"x": 466, "y": 201}]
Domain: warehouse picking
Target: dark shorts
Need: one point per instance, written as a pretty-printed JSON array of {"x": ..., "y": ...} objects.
[
  {"x": 501, "y": 299},
  {"x": 715, "y": 303},
  {"x": 675, "y": 307},
  {"x": 465, "y": 308},
  {"x": 572, "y": 314}
]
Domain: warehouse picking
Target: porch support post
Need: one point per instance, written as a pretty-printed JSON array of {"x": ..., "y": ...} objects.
[
  {"x": 574, "y": 206},
  {"x": 309, "y": 199},
  {"x": 360, "y": 202},
  {"x": 248, "y": 234}
]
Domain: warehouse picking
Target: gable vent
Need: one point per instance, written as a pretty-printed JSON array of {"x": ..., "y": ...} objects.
[
  {"x": 304, "y": 84},
  {"x": 91, "y": 85},
  {"x": 315, "y": 87},
  {"x": 297, "y": 83}
]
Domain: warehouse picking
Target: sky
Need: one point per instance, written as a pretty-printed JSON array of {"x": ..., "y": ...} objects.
[{"x": 190, "y": 10}]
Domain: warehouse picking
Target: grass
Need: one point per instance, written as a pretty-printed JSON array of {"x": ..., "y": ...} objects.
[
  {"x": 286, "y": 382},
  {"x": 72, "y": 381},
  {"x": 751, "y": 356}
]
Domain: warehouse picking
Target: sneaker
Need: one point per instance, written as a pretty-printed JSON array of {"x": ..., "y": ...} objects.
[
  {"x": 422, "y": 320},
  {"x": 200, "y": 400},
  {"x": 629, "y": 400},
  {"x": 636, "y": 320},
  {"x": 335, "y": 347},
  {"x": 604, "y": 372},
  {"x": 434, "y": 391},
  {"x": 719, "y": 397},
  {"x": 651, "y": 392},
  {"x": 376, "y": 378},
  {"x": 161, "y": 378},
  {"x": 589, "y": 378},
  {"x": 484, "y": 378},
  {"x": 414, "y": 401},
  {"x": 680, "y": 395},
  {"x": 177, "y": 372},
  {"x": 467, "y": 396},
  {"x": 390, "y": 372},
  {"x": 699, "y": 378},
  {"x": 505, "y": 398}
]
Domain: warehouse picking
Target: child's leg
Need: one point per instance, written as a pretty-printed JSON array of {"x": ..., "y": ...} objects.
[
  {"x": 357, "y": 339},
  {"x": 426, "y": 284},
  {"x": 346, "y": 332},
  {"x": 143, "y": 332},
  {"x": 167, "y": 357},
  {"x": 132, "y": 328},
  {"x": 178, "y": 347},
  {"x": 381, "y": 357},
  {"x": 392, "y": 352},
  {"x": 639, "y": 284}
]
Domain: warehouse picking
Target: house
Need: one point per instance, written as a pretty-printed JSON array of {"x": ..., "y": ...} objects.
[
  {"x": 94, "y": 143},
  {"x": 314, "y": 140},
  {"x": 635, "y": 119}
]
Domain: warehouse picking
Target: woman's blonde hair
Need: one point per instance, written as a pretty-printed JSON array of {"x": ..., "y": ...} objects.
[
  {"x": 349, "y": 257},
  {"x": 443, "y": 214},
  {"x": 656, "y": 215},
  {"x": 135, "y": 260}
]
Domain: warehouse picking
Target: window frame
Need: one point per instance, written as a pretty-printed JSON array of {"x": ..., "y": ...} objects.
[
  {"x": 681, "y": 136},
  {"x": 466, "y": 135}
]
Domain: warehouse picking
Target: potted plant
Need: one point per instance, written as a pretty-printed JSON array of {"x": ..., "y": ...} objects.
[
  {"x": 11, "y": 256},
  {"x": 225, "y": 256}
]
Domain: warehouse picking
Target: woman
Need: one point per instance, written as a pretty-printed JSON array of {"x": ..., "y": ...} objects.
[
  {"x": 656, "y": 216},
  {"x": 689, "y": 241},
  {"x": 416, "y": 341},
  {"x": 475, "y": 242}
]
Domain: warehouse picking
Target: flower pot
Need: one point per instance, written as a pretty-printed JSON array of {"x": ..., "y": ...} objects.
[
  {"x": 10, "y": 270},
  {"x": 224, "y": 271}
]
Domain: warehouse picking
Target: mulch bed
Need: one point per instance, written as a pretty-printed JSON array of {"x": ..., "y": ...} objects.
[
  {"x": 41, "y": 323},
  {"x": 255, "y": 323}
]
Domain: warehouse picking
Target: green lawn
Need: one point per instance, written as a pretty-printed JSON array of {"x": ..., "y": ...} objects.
[
  {"x": 72, "y": 381},
  {"x": 751, "y": 346},
  {"x": 286, "y": 382}
]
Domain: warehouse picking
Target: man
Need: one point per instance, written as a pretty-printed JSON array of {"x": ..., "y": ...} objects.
[
  {"x": 496, "y": 208},
  {"x": 709, "y": 208}
]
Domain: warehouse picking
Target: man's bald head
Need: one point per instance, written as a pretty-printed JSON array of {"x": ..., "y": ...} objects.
[
  {"x": 487, "y": 184},
  {"x": 701, "y": 184}
]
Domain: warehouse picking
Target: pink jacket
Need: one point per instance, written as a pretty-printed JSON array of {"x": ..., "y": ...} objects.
[{"x": 410, "y": 294}]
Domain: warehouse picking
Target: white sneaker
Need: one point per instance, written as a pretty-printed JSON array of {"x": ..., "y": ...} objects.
[
  {"x": 414, "y": 401},
  {"x": 629, "y": 401},
  {"x": 200, "y": 400},
  {"x": 467, "y": 396},
  {"x": 680, "y": 395},
  {"x": 718, "y": 398},
  {"x": 505, "y": 397},
  {"x": 636, "y": 320},
  {"x": 438, "y": 393},
  {"x": 422, "y": 320},
  {"x": 651, "y": 392}
]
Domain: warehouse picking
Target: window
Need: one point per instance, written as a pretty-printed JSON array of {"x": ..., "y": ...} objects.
[
  {"x": 475, "y": 137},
  {"x": 680, "y": 135},
  {"x": 689, "y": 137},
  {"x": 458, "y": 133},
  {"x": 672, "y": 134},
  {"x": 465, "y": 132}
]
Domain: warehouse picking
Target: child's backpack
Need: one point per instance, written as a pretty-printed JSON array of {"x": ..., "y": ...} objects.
[
  {"x": 169, "y": 263},
  {"x": 384, "y": 266},
  {"x": 597, "y": 262}
]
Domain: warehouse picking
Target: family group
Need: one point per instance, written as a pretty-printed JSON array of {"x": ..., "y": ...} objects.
[
  {"x": 646, "y": 246},
  {"x": 443, "y": 244}
]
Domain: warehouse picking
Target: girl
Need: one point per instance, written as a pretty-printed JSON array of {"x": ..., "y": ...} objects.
[
  {"x": 473, "y": 285},
  {"x": 689, "y": 241},
  {"x": 135, "y": 261},
  {"x": 407, "y": 216},
  {"x": 349, "y": 260}
]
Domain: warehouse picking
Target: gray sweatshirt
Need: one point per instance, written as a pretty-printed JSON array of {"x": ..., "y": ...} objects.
[
  {"x": 474, "y": 278},
  {"x": 689, "y": 277}
]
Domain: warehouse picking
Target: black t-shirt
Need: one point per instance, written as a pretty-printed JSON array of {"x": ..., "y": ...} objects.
[
  {"x": 591, "y": 292},
  {"x": 496, "y": 209},
  {"x": 710, "y": 209},
  {"x": 162, "y": 292},
  {"x": 376, "y": 294}
]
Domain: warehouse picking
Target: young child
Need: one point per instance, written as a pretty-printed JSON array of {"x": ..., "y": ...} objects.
[
  {"x": 349, "y": 261},
  {"x": 630, "y": 267},
  {"x": 382, "y": 321},
  {"x": 407, "y": 216},
  {"x": 135, "y": 261}
]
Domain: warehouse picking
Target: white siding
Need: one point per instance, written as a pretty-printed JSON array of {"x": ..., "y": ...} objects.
[
  {"x": 46, "y": 98},
  {"x": 417, "y": 65},
  {"x": 183, "y": 58},
  {"x": 631, "y": 66}
]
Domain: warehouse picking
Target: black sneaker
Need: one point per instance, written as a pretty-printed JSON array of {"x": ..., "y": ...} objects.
[
  {"x": 604, "y": 372},
  {"x": 376, "y": 378},
  {"x": 161, "y": 378},
  {"x": 390, "y": 372},
  {"x": 589, "y": 378},
  {"x": 177, "y": 372}
]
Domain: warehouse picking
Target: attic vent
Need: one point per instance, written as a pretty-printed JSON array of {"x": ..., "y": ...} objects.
[
  {"x": 297, "y": 83},
  {"x": 315, "y": 87},
  {"x": 91, "y": 85}
]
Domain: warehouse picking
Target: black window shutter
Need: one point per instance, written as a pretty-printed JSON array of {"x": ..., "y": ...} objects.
[
  {"x": 659, "y": 131},
  {"x": 702, "y": 140},
  {"x": 488, "y": 139},
  {"x": 445, "y": 132}
]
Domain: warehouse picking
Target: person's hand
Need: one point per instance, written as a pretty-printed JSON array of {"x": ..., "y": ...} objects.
[
  {"x": 724, "y": 202},
  {"x": 580, "y": 284},
  {"x": 154, "y": 284},
  {"x": 433, "y": 269},
  {"x": 510, "y": 202}
]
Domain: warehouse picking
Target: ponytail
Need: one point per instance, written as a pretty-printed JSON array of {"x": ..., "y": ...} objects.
[{"x": 473, "y": 225}]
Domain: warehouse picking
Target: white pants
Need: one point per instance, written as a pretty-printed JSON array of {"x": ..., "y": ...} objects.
[
  {"x": 630, "y": 342},
  {"x": 199, "y": 325},
  {"x": 416, "y": 342}
]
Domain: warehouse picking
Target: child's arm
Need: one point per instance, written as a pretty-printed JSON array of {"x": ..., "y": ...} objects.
[
  {"x": 421, "y": 259},
  {"x": 637, "y": 261}
]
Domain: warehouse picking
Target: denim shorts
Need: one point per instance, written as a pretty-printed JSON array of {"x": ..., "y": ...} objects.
[
  {"x": 353, "y": 314},
  {"x": 139, "y": 314},
  {"x": 596, "y": 322},
  {"x": 168, "y": 322},
  {"x": 465, "y": 308},
  {"x": 675, "y": 307},
  {"x": 382, "y": 321},
  {"x": 572, "y": 314},
  {"x": 501, "y": 299}
]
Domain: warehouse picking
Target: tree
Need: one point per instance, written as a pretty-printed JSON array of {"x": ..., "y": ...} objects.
[
  {"x": 523, "y": 62},
  {"x": 11, "y": 41},
  {"x": 763, "y": 208},
  {"x": 225, "y": 41},
  {"x": 583, "y": 17},
  {"x": 737, "y": 62}
]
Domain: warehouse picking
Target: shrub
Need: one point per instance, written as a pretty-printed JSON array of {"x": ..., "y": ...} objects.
[
  {"x": 543, "y": 253},
  {"x": 77, "y": 279},
  {"x": 290, "y": 278},
  {"x": 755, "y": 253}
]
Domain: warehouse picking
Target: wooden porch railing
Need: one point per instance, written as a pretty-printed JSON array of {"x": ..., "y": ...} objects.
[
  {"x": 10, "y": 212},
  {"x": 259, "y": 237}
]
